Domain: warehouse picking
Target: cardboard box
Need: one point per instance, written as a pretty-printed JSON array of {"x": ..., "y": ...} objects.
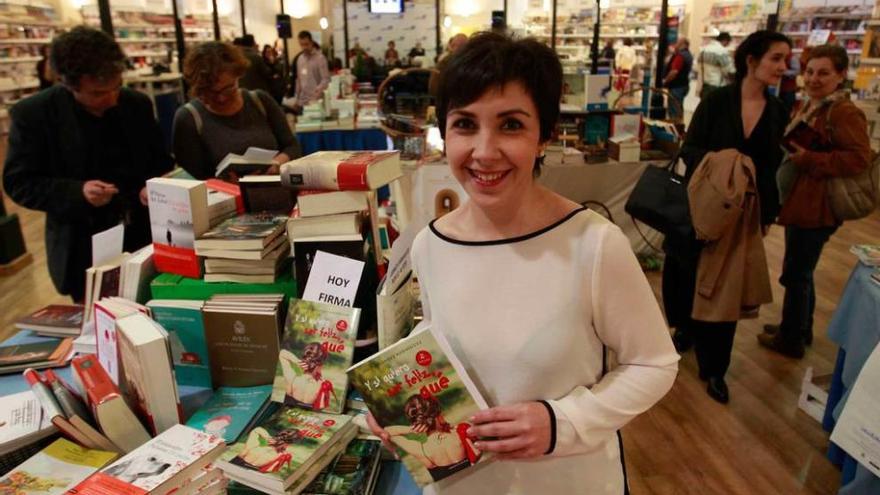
[{"x": 624, "y": 148}]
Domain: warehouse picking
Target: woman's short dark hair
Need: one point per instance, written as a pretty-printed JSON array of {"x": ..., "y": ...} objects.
[
  {"x": 836, "y": 53},
  {"x": 206, "y": 61},
  {"x": 85, "y": 51},
  {"x": 755, "y": 45},
  {"x": 491, "y": 60}
]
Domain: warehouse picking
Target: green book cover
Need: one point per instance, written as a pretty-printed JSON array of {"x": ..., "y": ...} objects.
[
  {"x": 186, "y": 335},
  {"x": 418, "y": 391},
  {"x": 230, "y": 410},
  {"x": 280, "y": 448},
  {"x": 173, "y": 286},
  {"x": 316, "y": 349}
]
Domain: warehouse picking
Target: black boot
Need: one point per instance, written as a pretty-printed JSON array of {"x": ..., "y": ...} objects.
[
  {"x": 780, "y": 345},
  {"x": 717, "y": 389},
  {"x": 682, "y": 341}
]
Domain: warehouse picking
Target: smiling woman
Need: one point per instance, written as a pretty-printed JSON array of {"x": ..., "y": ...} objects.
[{"x": 542, "y": 282}]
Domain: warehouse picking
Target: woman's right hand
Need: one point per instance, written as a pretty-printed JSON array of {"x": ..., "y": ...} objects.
[{"x": 382, "y": 433}]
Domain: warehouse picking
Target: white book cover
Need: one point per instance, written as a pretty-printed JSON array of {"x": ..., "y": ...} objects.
[
  {"x": 171, "y": 211},
  {"x": 20, "y": 415},
  {"x": 178, "y": 449}
]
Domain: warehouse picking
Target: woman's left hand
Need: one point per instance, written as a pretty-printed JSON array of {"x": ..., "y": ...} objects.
[
  {"x": 799, "y": 155},
  {"x": 519, "y": 430}
]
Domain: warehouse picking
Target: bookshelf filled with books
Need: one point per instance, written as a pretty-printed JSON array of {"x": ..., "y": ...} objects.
[
  {"x": 25, "y": 29},
  {"x": 739, "y": 18},
  {"x": 843, "y": 24}
]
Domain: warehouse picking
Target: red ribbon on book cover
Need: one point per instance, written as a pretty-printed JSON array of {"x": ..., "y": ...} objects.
[
  {"x": 277, "y": 463},
  {"x": 462, "y": 430},
  {"x": 322, "y": 400}
]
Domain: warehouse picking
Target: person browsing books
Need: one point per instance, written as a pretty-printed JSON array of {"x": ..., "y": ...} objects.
[
  {"x": 81, "y": 151},
  {"x": 530, "y": 289},
  {"x": 224, "y": 119},
  {"x": 742, "y": 117},
  {"x": 842, "y": 148}
]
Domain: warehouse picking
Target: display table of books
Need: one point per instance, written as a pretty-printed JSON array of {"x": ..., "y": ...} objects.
[
  {"x": 854, "y": 328},
  {"x": 342, "y": 139}
]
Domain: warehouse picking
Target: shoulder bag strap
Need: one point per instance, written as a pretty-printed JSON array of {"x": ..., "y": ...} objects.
[{"x": 197, "y": 117}]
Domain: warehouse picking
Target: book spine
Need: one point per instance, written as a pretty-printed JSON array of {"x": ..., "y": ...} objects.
[
  {"x": 95, "y": 381},
  {"x": 43, "y": 393},
  {"x": 352, "y": 177}
]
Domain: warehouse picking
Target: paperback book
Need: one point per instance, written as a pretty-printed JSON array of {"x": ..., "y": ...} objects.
[
  {"x": 178, "y": 216},
  {"x": 342, "y": 170},
  {"x": 159, "y": 466},
  {"x": 419, "y": 392},
  {"x": 316, "y": 350},
  {"x": 279, "y": 450},
  {"x": 230, "y": 410},
  {"x": 250, "y": 231},
  {"x": 183, "y": 321},
  {"x": 57, "y": 320},
  {"x": 54, "y": 470}
]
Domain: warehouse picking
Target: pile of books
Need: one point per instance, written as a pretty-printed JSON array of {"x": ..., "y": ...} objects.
[
  {"x": 248, "y": 248},
  {"x": 55, "y": 469},
  {"x": 242, "y": 335},
  {"x": 336, "y": 206},
  {"x": 176, "y": 461},
  {"x": 45, "y": 353},
  {"x": 24, "y": 427}
]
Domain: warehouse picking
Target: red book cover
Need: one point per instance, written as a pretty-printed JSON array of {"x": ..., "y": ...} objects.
[
  {"x": 228, "y": 188},
  {"x": 94, "y": 381},
  {"x": 101, "y": 484},
  {"x": 182, "y": 261},
  {"x": 351, "y": 174}
]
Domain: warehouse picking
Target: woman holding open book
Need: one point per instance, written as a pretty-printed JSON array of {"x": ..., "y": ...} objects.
[
  {"x": 223, "y": 118},
  {"x": 836, "y": 144},
  {"x": 531, "y": 289}
]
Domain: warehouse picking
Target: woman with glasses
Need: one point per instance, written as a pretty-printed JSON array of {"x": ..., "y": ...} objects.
[{"x": 222, "y": 118}]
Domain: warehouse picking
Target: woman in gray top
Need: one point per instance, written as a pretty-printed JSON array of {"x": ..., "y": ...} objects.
[{"x": 222, "y": 118}]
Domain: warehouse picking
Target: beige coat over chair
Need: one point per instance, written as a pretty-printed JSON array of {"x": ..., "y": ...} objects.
[{"x": 732, "y": 276}]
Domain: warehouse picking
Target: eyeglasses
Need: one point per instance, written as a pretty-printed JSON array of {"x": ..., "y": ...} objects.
[{"x": 225, "y": 92}]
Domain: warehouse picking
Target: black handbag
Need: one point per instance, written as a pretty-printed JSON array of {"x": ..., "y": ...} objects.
[{"x": 660, "y": 200}]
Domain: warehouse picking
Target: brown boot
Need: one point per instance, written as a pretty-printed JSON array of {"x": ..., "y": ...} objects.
[{"x": 776, "y": 343}]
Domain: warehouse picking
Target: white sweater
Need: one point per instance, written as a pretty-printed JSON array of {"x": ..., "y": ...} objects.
[{"x": 529, "y": 317}]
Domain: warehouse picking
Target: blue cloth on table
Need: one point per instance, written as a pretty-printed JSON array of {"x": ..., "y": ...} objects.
[
  {"x": 855, "y": 327},
  {"x": 191, "y": 398},
  {"x": 342, "y": 140}
]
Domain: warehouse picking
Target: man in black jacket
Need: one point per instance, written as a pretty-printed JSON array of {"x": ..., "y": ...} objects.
[{"x": 81, "y": 151}]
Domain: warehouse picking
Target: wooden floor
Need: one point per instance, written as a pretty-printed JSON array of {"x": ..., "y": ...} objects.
[{"x": 760, "y": 443}]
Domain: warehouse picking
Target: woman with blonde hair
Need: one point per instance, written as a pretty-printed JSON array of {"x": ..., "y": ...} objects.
[{"x": 223, "y": 118}]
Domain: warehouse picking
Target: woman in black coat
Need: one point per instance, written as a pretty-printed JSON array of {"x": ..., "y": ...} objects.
[{"x": 745, "y": 117}]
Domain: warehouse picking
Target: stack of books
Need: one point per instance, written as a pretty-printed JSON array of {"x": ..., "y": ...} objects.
[
  {"x": 284, "y": 453},
  {"x": 242, "y": 334},
  {"x": 106, "y": 313},
  {"x": 174, "y": 461},
  {"x": 355, "y": 470},
  {"x": 104, "y": 280},
  {"x": 46, "y": 353},
  {"x": 55, "y": 320},
  {"x": 336, "y": 205},
  {"x": 137, "y": 272},
  {"x": 248, "y": 248},
  {"x": 182, "y": 319}
]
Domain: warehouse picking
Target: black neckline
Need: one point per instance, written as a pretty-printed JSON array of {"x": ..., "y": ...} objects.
[{"x": 511, "y": 240}]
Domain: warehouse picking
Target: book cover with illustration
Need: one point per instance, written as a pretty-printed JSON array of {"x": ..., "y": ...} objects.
[
  {"x": 316, "y": 351},
  {"x": 247, "y": 231},
  {"x": 352, "y": 472},
  {"x": 178, "y": 216},
  {"x": 228, "y": 412},
  {"x": 54, "y": 470},
  {"x": 186, "y": 333},
  {"x": 278, "y": 450},
  {"x": 154, "y": 467},
  {"x": 419, "y": 392}
]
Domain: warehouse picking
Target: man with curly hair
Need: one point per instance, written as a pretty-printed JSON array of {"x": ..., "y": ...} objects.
[{"x": 81, "y": 151}]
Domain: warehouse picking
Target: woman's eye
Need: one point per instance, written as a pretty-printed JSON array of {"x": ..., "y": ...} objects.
[
  {"x": 511, "y": 125},
  {"x": 464, "y": 123}
]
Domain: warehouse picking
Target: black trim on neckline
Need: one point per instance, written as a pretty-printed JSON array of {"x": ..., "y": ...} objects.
[{"x": 509, "y": 240}]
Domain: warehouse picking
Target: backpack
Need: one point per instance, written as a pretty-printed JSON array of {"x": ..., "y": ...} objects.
[{"x": 197, "y": 117}]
